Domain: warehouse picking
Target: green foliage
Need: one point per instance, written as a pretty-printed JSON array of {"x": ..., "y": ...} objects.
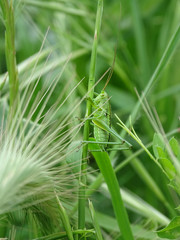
[
  {"x": 158, "y": 142},
  {"x": 172, "y": 231},
  {"x": 175, "y": 147},
  {"x": 161, "y": 152},
  {"x": 46, "y": 47}
]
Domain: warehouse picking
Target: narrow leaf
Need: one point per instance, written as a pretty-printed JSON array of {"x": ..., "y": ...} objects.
[
  {"x": 168, "y": 167},
  {"x": 172, "y": 231},
  {"x": 175, "y": 147},
  {"x": 161, "y": 153},
  {"x": 157, "y": 141}
]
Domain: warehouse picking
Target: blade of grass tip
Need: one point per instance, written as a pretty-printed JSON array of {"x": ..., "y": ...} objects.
[
  {"x": 82, "y": 183},
  {"x": 159, "y": 69},
  {"x": 104, "y": 164},
  {"x": 95, "y": 222},
  {"x": 65, "y": 219},
  {"x": 8, "y": 15}
]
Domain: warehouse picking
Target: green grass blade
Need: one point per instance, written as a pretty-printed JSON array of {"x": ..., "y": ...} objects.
[
  {"x": 106, "y": 169},
  {"x": 159, "y": 69}
]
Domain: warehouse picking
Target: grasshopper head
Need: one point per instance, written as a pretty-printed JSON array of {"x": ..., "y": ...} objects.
[{"x": 103, "y": 94}]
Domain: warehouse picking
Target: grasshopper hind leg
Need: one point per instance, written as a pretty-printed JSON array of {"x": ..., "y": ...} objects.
[{"x": 105, "y": 149}]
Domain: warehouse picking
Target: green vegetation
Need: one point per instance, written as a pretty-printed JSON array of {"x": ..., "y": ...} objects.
[{"x": 56, "y": 180}]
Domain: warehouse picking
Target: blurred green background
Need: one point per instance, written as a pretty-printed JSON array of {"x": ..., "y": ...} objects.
[{"x": 139, "y": 32}]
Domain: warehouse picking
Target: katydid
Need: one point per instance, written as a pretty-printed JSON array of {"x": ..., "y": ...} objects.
[{"x": 102, "y": 121}]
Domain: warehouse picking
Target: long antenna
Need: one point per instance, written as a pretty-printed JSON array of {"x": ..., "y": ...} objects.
[
  {"x": 112, "y": 69},
  {"x": 115, "y": 50}
]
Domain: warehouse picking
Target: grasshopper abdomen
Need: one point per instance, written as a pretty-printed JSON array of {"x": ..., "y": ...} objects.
[{"x": 103, "y": 113}]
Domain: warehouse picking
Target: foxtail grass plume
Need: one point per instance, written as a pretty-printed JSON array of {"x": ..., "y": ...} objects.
[{"x": 33, "y": 148}]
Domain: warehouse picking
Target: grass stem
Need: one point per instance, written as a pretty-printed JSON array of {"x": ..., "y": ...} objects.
[
  {"x": 8, "y": 15},
  {"x": 82, "y": 184}
]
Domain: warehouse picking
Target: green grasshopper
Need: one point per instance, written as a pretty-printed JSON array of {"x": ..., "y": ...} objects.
[{"x": 102, "y": 122}]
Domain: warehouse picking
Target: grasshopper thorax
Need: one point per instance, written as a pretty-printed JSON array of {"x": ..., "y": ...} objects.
[{"x": 101, "y": 99}]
